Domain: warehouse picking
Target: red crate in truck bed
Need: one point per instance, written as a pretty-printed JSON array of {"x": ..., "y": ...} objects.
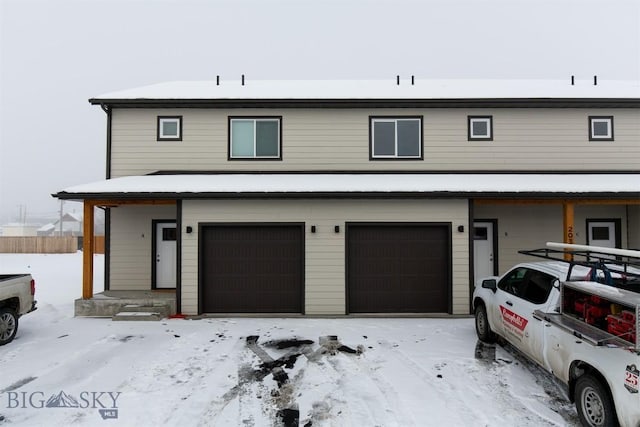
[{"x": 622, "y": 325}]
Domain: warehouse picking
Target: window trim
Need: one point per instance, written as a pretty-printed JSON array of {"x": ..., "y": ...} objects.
[
  {"x": 254, "y": 157},
  {"x": 471, "y": 137},
  {"x": 372, "y": 119},
  {"x": 608, "y": 119},
  {"x": 159, "y": 134}
]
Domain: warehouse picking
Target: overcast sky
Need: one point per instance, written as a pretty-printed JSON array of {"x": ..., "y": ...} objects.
[{"x": 55, "y": 54}]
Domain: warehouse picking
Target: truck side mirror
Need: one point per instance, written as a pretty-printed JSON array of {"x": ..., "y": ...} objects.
[{"x": 489, "y": 284}]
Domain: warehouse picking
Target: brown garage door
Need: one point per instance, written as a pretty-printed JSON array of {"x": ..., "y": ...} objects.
[
  {"x": 251, "y": 269},
  {"x": 398, "y": 268}
]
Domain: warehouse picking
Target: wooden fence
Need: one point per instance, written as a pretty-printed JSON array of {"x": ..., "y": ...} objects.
[{"x": 46, "y": 245}]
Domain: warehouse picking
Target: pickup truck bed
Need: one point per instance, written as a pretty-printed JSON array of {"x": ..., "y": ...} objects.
[
  {"x": 581, "y": 330},
  {"x": 16, "y": 299}
]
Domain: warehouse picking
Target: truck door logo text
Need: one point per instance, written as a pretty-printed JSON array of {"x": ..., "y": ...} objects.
[
  {"x": 513, "y": 319},
  {"x": 514, "y": 324}
]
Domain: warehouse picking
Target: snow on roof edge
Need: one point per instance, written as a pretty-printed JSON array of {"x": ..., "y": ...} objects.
[{"x": 362, "y": 183}]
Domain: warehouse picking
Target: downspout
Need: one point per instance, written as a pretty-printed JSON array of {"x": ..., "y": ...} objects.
[
  {"x": 107, "y": 110},
  {"x": 472, "y": 272},
  {"x": 107, "y": 211},
  {"x": 627, "y": 234},
  {"x": 179, "y": 259}
]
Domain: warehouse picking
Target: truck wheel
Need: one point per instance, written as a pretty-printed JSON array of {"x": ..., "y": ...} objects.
[
  {"x": 594, "y": 404},
  {"x": 8, "y": 325},
  {"x": 482, "y": 325}
]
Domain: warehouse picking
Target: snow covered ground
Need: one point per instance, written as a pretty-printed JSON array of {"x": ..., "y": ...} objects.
[{"x": 247, "y": 371}]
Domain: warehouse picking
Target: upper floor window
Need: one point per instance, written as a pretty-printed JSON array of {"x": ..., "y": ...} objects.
[
  {"x": 600, "y": 128},
  {"x": 255, "y": 138},
  {"x": 169, "y": 128},
  {"x": 396, "y": 137},
  {"x": 480, "y": 128}
]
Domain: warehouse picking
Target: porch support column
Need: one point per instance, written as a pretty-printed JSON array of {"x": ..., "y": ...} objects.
[
  {"x": 568, "y": 225},
  {"x": 87, "y": 251}
]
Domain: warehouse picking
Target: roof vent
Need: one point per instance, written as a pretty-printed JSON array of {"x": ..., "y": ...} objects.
[
  {"x": 412, "y": 80},
  {"x": 398, "y": 80},
  {"x": 573, "y": 80},
  {"x": 595, "y": 80},
  {"x": 217, "y": 80},
  {"x": 243, "y": 80}
]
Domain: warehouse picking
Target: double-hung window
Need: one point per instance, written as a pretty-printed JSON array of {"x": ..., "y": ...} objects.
[
  {"x": 255, "y": 138},
  {"x": 395, "y": 138},
  {"x": 600, "y": 128},
  {"x": 169, "y": 128}
]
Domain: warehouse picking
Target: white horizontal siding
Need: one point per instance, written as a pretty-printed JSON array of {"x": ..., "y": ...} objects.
[
  {"x": 329, "y": 139},
  {"x": 532, "y": 226},
  {"x": 130, "y": 256},
  {"x": 325, "y": 249}
]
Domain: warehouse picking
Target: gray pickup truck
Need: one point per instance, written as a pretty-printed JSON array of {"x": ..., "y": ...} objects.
[{"x": 17, "y": 293}]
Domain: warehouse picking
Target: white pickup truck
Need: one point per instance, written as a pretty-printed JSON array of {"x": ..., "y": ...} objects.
[
  {"x": 16, "y": 298},
  {"x": 576, "y": 318}
]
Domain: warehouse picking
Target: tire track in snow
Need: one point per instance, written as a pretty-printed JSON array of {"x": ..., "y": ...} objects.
[
  {"x": 200, "y": 403},
  {"x": 554, "y": 395},
  {"x": 237, "y": 404},
  {"x": 77, "y": 371},
  {"x": 429, "y": 383},
  {"x": 372, "y": 389},
  {"x": 464, "y": 379}
]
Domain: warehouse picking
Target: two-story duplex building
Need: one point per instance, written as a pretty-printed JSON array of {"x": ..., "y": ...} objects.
[{"x": 354, "y": 197}]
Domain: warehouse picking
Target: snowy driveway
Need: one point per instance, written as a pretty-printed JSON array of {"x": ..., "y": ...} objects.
[
  {"x": 249, "y": 371},
  {"x": 411, "y": 372}
]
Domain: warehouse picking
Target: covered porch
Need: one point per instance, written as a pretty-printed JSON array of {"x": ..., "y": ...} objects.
[
  {"x": 150, "y": 304},
  {"x": 565, "y": 191}
]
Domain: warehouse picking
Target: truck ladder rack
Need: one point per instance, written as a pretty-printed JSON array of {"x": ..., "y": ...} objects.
[{"x": 614, "y": 267}]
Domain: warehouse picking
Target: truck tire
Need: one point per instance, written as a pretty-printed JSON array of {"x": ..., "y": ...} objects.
[
  {"x": 8, "y": 325},
  {"x": 483, "y": 330},
  {"x": 594, "y": 403}
]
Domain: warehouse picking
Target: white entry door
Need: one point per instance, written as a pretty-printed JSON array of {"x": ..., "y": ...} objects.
[
  {"x": 602, "y": 233},
  {"x": 483, "y": 250},
  {"x": 165, "y": 262}
]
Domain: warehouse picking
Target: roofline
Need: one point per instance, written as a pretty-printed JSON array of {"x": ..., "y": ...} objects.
[
  {"x": 347, "y": 195},
  {"x": 397, "y": 172},
  {"x": 368, "y": 103}
]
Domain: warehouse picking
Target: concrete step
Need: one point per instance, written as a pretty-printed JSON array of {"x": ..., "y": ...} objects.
[
  {"x": 160, "y": 308},
  {"x": 142, "y": 312},
  {"x": 138, "y": 316}
]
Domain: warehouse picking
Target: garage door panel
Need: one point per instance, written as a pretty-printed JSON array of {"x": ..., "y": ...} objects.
[
  {"x": 252, "y": 269},
  {"x": 396, "y": 268}
]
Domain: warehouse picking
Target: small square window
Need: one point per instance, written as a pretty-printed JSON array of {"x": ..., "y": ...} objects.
[
  {"x": 601, "y": 128},
  {"x": 255, "y": 138},
  {"x": 480, "y": 233},
  {"x": 480, "y": 128},
  {"x": 169, "y": 128},
  {"x": 169, "y": 234},
  {"x": 396, "y": 138},
  {"x": 600, "y": 233}
]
